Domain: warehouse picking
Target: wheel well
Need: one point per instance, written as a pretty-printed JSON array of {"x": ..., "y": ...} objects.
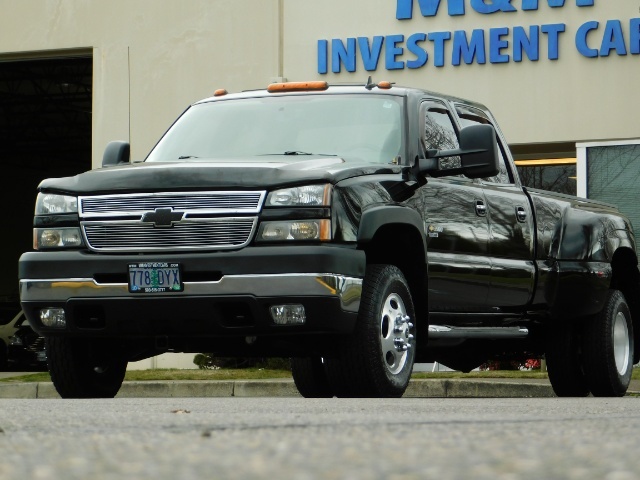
[
  {"x": 626, "y": 278},
  {"x": 402, "y": 245}
]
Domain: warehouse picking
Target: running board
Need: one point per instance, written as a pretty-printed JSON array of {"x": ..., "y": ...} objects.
[{"x": 444, "y": 331}]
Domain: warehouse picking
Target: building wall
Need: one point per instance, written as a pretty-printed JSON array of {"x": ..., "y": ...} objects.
[
  {"x": 572, "y": 98},
  {"x": 152, "y": 58}
]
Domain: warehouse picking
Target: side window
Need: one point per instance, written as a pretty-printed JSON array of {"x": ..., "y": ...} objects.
[
  {"x": 438, "y": 133},
  {"x": 473, "y": 118}
]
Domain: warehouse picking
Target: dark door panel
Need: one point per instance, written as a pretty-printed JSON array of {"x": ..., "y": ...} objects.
[
  {"x": 457, "y": 242},
  {"x": 458, "y": 283},
  {"x": 511, "y": 283},
  {"x": 511, "y": 245}
]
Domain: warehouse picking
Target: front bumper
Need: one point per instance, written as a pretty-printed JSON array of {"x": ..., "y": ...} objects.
[{"x": 225, "y": 294}]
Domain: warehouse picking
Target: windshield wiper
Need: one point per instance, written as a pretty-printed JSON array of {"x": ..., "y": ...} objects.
[
  {"x": 298, "y": 152},
  {"x": 184, "y": 157}
]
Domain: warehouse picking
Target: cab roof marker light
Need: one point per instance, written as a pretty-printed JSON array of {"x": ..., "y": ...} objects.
[
  {"x": 384, "y": 85},
  {"x": 297, "y": 87},
  {"x": 220, "y": 92}
]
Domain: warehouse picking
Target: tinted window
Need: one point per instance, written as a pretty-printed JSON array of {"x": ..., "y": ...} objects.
[
  {"x": 440, "y": 134},
  {"x": 477, "y": 117}
]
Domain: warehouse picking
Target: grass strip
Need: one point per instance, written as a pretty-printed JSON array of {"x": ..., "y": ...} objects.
[{"x": 265, "y": 374}]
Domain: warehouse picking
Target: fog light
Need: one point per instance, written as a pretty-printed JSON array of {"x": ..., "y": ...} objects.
[
  {"x": 53, "y": 317},
  {"x": 288, "y": 314}
]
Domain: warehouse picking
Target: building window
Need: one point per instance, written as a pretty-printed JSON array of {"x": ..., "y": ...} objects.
[{"x": 555, "y": 175}]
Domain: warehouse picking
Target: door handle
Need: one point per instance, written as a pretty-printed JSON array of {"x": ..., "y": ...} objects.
[
  {"x": 521, "y": 214},
  {"x": 481, "y": 208}
]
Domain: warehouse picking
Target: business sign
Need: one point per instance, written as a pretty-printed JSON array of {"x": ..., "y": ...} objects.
[{"x": 592, "y": 39}]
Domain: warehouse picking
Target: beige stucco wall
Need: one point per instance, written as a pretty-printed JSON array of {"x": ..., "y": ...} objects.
[
  {"x": 571, "y": 99},
  {"x": 152, "y": 58}
]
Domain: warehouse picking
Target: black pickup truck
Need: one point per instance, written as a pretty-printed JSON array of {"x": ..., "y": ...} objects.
[{"x": 355, "y": 229}]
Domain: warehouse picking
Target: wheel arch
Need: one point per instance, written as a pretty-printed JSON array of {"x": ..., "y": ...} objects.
[
  {"x": 394, "y": 235},
  {"x": 626, "y": 278}
]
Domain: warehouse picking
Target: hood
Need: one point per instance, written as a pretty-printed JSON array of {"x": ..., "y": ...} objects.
[{"x": 196, "y": 174}]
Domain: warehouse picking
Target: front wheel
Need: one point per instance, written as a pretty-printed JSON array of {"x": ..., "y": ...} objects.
[
  {"x": 80, "y": 368},
  {"x": 607, "y": 348},
  {"x": 310, "y": 377},
  {"x": 377, "y": 360}
]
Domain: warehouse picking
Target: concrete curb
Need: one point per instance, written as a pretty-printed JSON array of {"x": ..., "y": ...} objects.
[{"x": 419, "y": 388}]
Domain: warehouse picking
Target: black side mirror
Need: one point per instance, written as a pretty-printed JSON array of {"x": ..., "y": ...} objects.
[
  {"x": 482, "y": 160},
  {"x": 116, "y": 153},
  {"x": 478, "y": 154}
]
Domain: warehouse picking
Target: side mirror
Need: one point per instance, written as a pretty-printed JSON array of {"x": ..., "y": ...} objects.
[
  {"x": 116, "y": 153},
  {"x": 478, "y": 153},
  {"x": 482, "y": 160}
]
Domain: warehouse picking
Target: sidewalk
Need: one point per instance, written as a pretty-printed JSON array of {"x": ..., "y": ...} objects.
[{"x": 418, "y": 388}]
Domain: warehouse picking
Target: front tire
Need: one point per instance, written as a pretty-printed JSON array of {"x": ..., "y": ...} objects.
[
  {"x": 82, "y": 369},
  {"x": 310, "y": 376},
  {"x": 608, "y": 344},
  {"x": 378, "y": 358}
]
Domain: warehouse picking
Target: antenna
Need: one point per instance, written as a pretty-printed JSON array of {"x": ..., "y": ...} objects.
[{"x": 370, "y": 85}]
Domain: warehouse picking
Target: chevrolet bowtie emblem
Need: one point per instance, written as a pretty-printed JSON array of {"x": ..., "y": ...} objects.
[{"x": 163, "y": 217}]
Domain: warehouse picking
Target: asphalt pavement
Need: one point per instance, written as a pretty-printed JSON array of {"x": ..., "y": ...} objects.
[{"x": 418, "y": 388}]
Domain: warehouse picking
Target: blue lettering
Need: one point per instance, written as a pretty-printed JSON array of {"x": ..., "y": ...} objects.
[
  {"x": 497, "y": 44},
  {"x": 392, "y": 51},
  {"x": 533, "y": 4},
  {"x": 530, "y": 45},
  {"x": 467, "y": 51},
  {"x": 481, "y": 6},
  {"x": 421, "y": 55},
  {"x": 323, "y": 56},
  {"x": 439, "y": 39},
  {"x": 581, "y": 39},
  {"x": 428, "y": 8},
  {"x": 370, "y": 55},
  {"x": 553, "y": 31},
  {"x": 343, "y": 55},
  {"x": 634, "y": 36},
  {"x": 613, "y": 39}
]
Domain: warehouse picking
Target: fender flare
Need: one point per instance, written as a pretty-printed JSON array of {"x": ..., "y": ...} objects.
[{"x": 376, "y": 217}]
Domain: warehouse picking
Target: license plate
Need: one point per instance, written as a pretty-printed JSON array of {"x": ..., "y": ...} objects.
[{"x": 155, "y": 277}]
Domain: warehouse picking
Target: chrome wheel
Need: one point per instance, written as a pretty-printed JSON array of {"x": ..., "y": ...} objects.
[
  {"x": 377, "y": 359},
  {"x": 621, "y": 348},
  {"x": 607, "y": 347},
  {"x": 395, "y": 333}
]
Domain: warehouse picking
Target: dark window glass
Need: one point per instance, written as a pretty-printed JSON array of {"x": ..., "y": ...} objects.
[
  {"x": 475, "y": 118},
  {"x": 440, "y": 134},
  {"x": 555, "y": 178}
]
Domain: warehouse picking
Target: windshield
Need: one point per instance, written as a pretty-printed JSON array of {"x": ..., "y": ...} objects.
[{"x": 353, "y": 127}]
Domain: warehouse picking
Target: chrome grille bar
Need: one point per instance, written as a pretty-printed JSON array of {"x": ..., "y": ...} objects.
[
  {"x": 197, "y": 234},
  {"x": 228, "y": 202}
]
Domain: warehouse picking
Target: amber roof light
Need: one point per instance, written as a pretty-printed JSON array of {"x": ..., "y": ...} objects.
[
  {"x": 220, "y": 92},
  {"x": 297, "y": 87}
]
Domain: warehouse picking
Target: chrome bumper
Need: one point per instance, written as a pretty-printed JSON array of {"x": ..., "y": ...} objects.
[{"x": 347, "y": 289}]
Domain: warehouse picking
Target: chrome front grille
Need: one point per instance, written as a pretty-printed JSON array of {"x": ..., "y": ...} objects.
[
  {"x": 196, "y": 202},
  {"x": 169, "y": 221}
]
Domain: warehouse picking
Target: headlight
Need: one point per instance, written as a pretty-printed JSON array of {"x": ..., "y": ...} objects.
[
  {"x": 48, "y": 203},
  {"x": 297, "y": 230},
  {"x": 67, "y": 237},
  {"x": 310, "y": 195}
]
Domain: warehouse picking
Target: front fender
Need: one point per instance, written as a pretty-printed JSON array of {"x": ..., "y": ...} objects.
[{"x": 376, "y": 217}]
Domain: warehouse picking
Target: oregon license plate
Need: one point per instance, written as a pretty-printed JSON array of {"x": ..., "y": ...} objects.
[{"x": 155, "y": 277}]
